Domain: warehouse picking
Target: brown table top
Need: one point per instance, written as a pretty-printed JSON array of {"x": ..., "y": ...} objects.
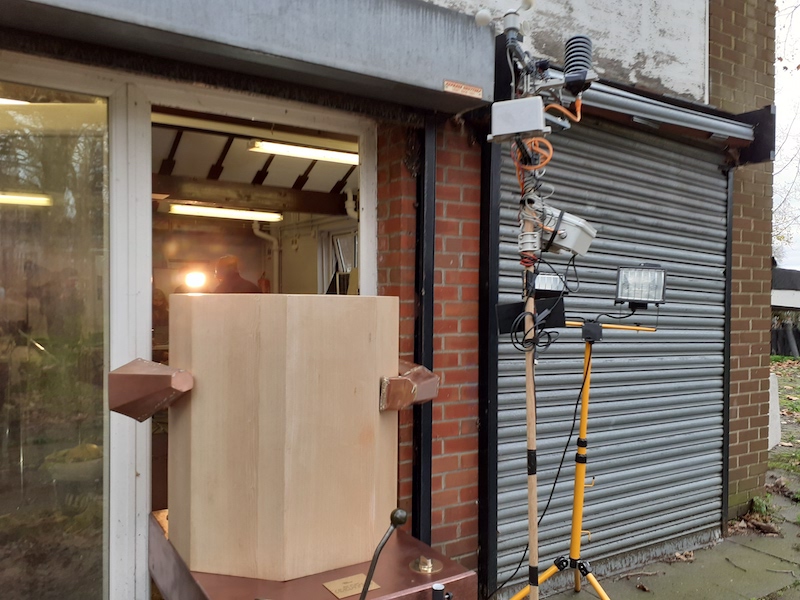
[{"x": 393, "y": 574}]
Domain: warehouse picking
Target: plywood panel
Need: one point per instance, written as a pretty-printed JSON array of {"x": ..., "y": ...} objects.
[{"x": 280, "y": 463}]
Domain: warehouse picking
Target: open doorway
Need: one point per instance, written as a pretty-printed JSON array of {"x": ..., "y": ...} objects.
[{"x": 288, "y": 199}]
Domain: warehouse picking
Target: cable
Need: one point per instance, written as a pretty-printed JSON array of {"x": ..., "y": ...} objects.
[
  {"x": 620, "y": 317},
  {"x": 555, "y": 483},
  {"x": 576, "y": 117},
  {"x": 564, "y": 278},
  {"x": 539, "y": 146}
]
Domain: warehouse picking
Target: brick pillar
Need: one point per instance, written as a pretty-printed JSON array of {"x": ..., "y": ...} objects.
[
  {"x": 397, "y": 220},
  {"x": 742, "y": 78},
  {"x": 454, "y": 485}
]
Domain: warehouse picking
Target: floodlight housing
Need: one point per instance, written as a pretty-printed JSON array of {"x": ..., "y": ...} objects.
[
  {"x": 640, "y": 286},
  {"x": 548, "y": 285}
]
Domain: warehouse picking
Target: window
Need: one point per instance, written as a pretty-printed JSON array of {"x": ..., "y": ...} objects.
[{"x": 53, "y": 273}]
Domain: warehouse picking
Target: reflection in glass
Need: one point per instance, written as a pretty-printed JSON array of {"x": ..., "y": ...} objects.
[{"x": 53, "y": 198}]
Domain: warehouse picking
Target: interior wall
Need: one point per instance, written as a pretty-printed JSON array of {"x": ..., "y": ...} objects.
[{"x": 299, "y": 264}]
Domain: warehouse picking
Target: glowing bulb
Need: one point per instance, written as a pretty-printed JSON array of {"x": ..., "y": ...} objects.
[
  {"x": 195, "y": 280},
  {"x": 483, "y": 17}
]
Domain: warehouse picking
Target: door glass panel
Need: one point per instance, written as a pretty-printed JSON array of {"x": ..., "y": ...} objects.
[{"x": 53, "y": 249}]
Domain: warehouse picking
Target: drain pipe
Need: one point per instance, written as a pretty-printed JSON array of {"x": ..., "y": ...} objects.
[
  {"x": 423, "y": 334},
  {"x": 350, "y": 205},
  {"x": 275, "y": 258}
]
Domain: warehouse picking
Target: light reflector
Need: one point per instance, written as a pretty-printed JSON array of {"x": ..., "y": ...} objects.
[
  {"x": 641, "y": 285},
  {"x": 335, "y": 156},
  {"x": 194, "y": 210}
]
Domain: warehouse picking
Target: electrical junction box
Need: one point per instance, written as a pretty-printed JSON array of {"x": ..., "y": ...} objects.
[
  {"x": 523, "y": 116},
  {"x": 574, "y": 235}
]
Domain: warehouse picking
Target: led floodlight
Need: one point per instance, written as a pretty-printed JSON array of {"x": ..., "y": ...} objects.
[{"x": 549, "y": 284}]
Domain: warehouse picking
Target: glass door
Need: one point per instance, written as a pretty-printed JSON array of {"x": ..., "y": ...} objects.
[{"x": 53, "y": 355}]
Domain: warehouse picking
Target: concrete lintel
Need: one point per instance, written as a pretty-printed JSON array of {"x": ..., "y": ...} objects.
[{"x": 398, "y": 50}]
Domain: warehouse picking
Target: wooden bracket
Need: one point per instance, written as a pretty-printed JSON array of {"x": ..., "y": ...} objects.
[
  {"x": 141, "y": 388},
  {"x": 414, "y": 384}
]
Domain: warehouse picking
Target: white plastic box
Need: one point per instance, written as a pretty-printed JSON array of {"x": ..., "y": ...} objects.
[{"x": 523, "y": 116}]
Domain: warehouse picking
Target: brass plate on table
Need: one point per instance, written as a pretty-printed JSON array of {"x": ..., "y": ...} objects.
[{"x": 349, "y": 586}]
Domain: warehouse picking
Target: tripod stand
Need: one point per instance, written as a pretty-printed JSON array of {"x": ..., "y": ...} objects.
[{"x": 591, "y": 332}]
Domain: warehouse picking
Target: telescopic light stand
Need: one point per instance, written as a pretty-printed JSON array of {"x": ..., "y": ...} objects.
[{"x": 591, "y": 332}]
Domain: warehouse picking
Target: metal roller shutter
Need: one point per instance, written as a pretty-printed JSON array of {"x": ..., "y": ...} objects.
[{"x": 656, "y": 410}]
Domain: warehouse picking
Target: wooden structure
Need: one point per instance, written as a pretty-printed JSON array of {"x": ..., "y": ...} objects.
[
  {"x": 393, "y": 574},
  {"x": 281, "y": 464},
  {"x": 141, "y": 388}
]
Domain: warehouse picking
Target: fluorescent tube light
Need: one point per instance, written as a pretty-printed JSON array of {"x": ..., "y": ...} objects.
[
  {"x": 9, "y": 101},
  {"x": 194, "y": 210},
  {"x": 335, "y": 156},
  {"x": 25, "y": 199}
]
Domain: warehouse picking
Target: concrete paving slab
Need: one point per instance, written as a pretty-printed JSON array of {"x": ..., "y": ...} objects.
[
  {"x": 741, "y": 567},
  {"x": 728, "y": 571}
]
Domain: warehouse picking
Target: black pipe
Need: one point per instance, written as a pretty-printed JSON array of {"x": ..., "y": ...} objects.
[
  {"x": 423, "y": 332},
  {"x": 491, "y": 159},
  {"x": 726, "y": 380},
  {"x": 489, "y": 293}
]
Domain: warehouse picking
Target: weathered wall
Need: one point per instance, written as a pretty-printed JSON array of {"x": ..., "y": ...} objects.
[
  {"x": 660, "y": 45},
  {"x": 742, "y": 78}
]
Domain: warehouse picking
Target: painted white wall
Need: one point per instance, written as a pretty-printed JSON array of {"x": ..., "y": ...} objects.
[{"x": 660, "y": 45}]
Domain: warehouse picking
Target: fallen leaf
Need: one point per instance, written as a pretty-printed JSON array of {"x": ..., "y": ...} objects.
[
  {"x": 643, "y": 587},
  {"x": 792, "y": 398},
  {"x": 786, "y": 444},
  {"x": 765, "y": 527}
]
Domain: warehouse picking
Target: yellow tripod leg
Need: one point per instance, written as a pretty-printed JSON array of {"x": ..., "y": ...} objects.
[
  {"x": 542, "y": 578},
  {"x": 596, "y": 585},
  {"x": 522, "y": 593}
]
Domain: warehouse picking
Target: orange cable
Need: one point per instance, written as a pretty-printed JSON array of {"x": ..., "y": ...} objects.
[{"x": 576, "y": 117}]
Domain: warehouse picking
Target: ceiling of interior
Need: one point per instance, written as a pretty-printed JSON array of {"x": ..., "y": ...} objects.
[{"x": 191, "y": 147}]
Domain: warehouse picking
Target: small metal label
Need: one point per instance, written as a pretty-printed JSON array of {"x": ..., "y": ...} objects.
[
  {"x": 349, "y": 586},
  {"x": 463, "y": 89}
]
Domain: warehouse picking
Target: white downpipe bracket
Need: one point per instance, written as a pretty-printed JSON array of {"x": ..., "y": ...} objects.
[{"x": 275, "y": 254}]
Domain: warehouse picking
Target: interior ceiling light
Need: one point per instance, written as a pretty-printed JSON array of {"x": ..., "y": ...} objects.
[
  {"x": 334, "y": 156},
  {"x": 25, "y": 199},
  {"x": 194, "y": 210},
  {"x": 9, "y": 101}
]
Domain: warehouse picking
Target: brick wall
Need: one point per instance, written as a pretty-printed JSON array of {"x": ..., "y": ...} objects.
[
  {"x": 455, "y": 438},
  {"x": 741, "y": 74}
]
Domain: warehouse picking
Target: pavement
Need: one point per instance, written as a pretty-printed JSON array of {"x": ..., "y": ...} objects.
[{"x": 748, "y": 566}]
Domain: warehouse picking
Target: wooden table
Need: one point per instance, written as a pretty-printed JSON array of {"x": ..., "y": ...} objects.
[{"x": 393, "y": 574}]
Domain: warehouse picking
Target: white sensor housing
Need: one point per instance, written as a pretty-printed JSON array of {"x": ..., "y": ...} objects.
[{"x": 523, "y": 116}]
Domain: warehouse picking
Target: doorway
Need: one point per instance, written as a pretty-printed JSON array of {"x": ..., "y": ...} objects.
[{"x": 278, "y": 202}]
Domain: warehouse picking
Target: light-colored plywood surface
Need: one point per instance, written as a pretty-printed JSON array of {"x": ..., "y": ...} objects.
[{"x": 281, "y": 464}]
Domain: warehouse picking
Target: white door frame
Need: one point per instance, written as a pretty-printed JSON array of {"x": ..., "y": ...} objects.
[{"x": 130, "y": 97}]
